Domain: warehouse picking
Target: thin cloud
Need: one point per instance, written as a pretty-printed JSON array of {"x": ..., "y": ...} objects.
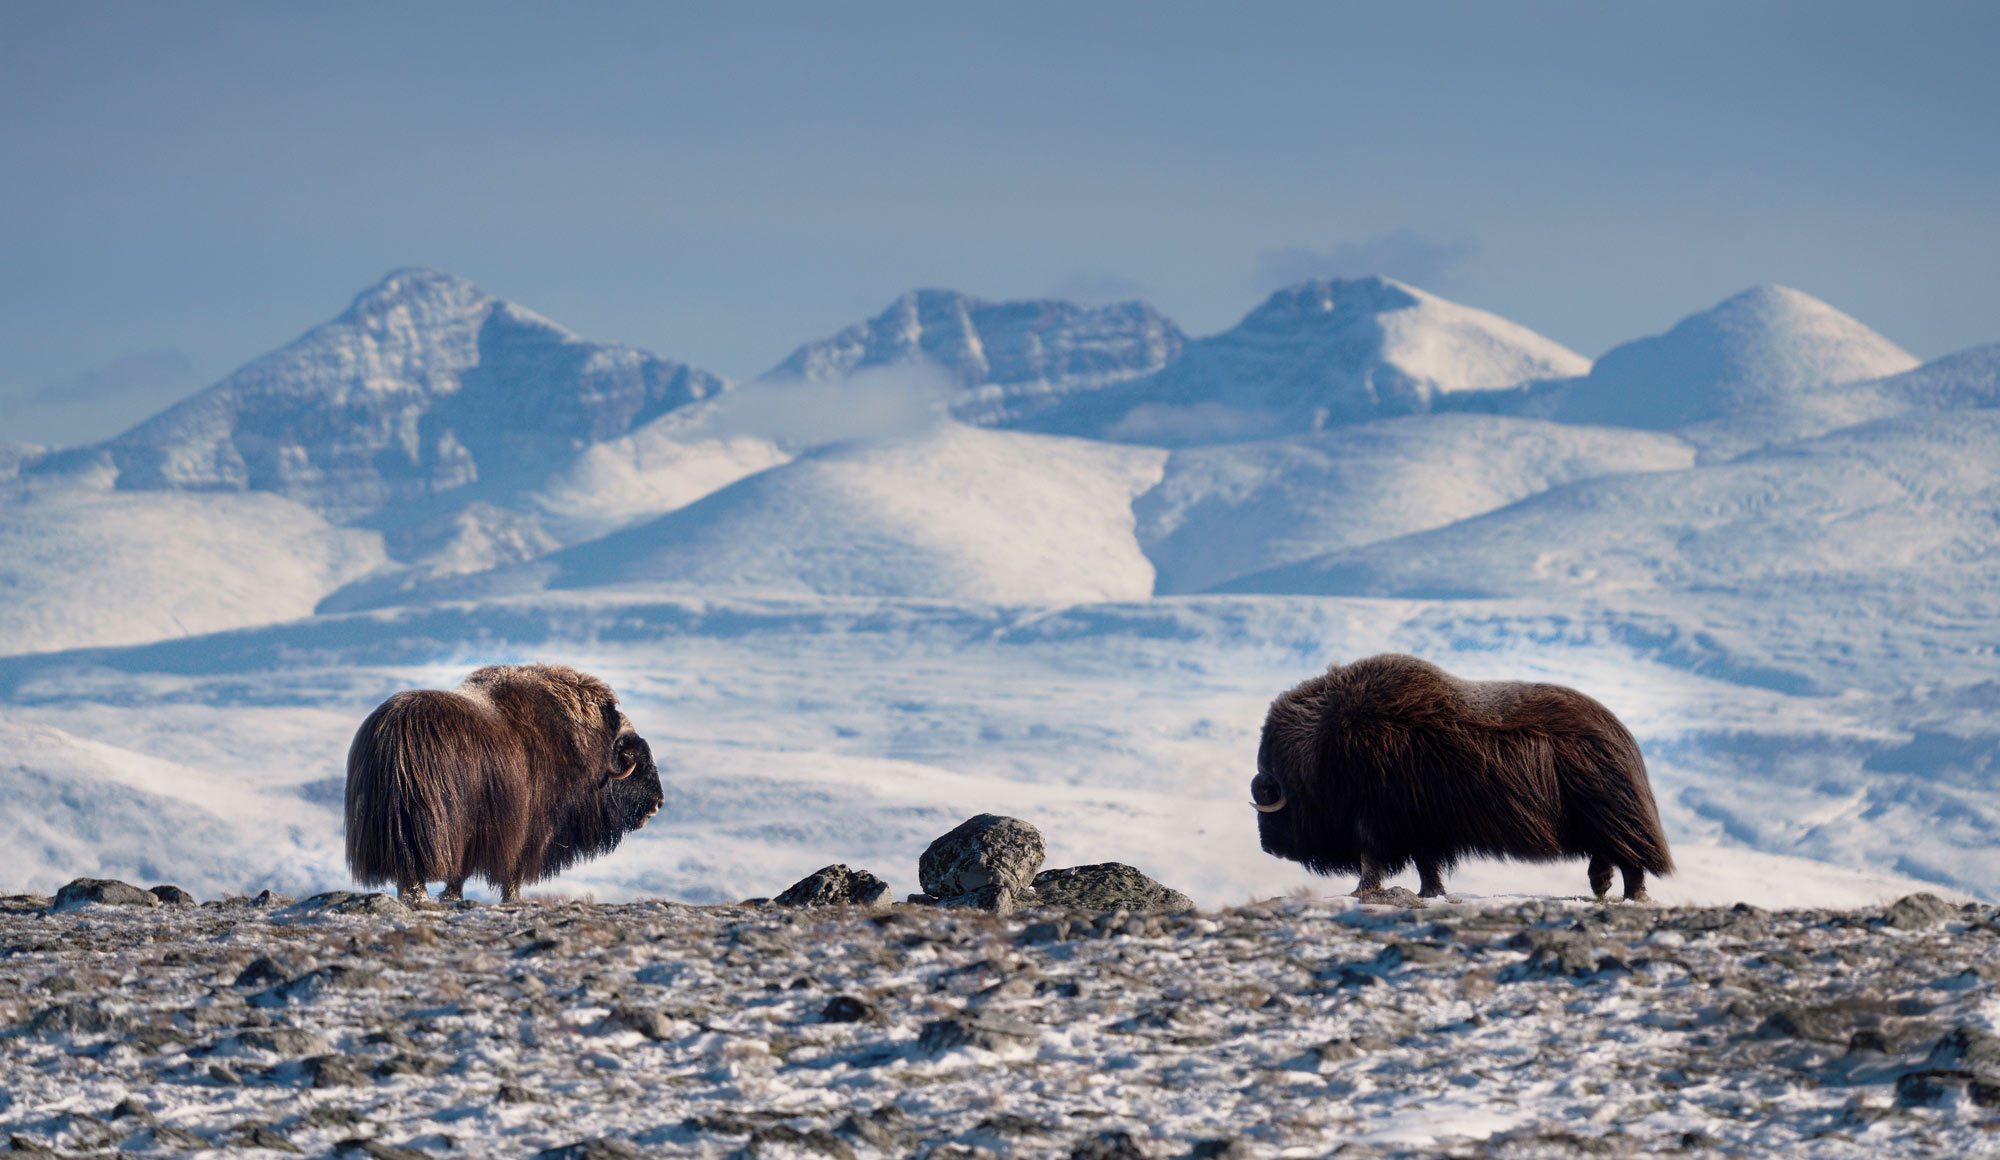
[
  {"x": 1405, "y": 255},
  {"x": 148, "y": 373}
]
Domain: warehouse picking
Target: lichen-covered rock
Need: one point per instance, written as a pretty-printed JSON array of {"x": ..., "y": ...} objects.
[
  {"x": 986, "y": 850},
  {"x": 349, "y": 902},
  {"x": 988, "y": 1032},
  {"x": 172, "y": 895},
  {"x": 1918, "y": 912},
  {"x": 993, "y": 898},
  {"x": 835, "y": 886},
  {"x": 1106, "y": 886},
  {"x": 105, "y": 891}
]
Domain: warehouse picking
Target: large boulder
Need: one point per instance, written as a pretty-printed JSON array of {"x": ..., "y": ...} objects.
[
  {"x": 835, "y": 886},
  {"x": 1106, "y": 886},
  {"x": 982, "y": 853}
]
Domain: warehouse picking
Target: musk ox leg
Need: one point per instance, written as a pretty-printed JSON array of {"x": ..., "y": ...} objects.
[
  {"x": 413, "y": 894},
  {"x": 1371, "y": 877},
  {"x": 1600, "y": 875},
  {"x": 1635, "y": 883},
  {"x": 1432, "y": 884},
  {"x": 454, "y": 891},
  {"x": 510, "y": 892}
]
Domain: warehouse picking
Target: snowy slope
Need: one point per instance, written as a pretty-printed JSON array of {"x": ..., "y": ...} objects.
[
  {"x": 1004, "y": 359},
  {"x": 1320, "y": 354},
  {"x": 15, "y": 456},
  {"x": 1906, "y": 504},
  {"x": 1229, "y": 510},
  {"x": 72, "y": 807},
  {"x": 953, "y": 513},
  {"x": 85, "y": 565},
  {"x": 1759, "y": 361},
  {"x": 426, "y": 397},
  {"x": 796, "y": 733}
]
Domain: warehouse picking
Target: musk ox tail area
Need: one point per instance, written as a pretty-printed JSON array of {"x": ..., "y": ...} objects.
[
  {"x": 409, "y": 773},
  {"x": 1625, "y": 815}
]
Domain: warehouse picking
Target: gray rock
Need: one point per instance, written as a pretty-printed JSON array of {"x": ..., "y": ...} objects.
[
  {"x": 336, "y": 1071},
  {"x": 836, "y": 886},
  {"x": 313, "y": 984},
  {"x": 105, "y": 891},
  {"x": 76, "y": 1017},
  {"x": 1804, "y": 1023},
  {"x": 1918, "y": 912},
  {"x": 784, "y": 1136},
  {"x": 376, "y": 1150},
  {"x": 847, "y": 1009},
  {"x": 172, "y": 895},
  {"x": 987, "y": 850},
  {"x": 261, "y": 972},
  {"x": 1106, "y": 886},
  {"x": 654, "y": 1025},
  {"x": 1401, "y": 896},
  {"x": 598, "y": 1148},
  {"x": 1107, "y": 1146},
  {"x": 992, "y": 897},
  {"x": 1967, "y": 1048},
  {"x": 349, "y": 902},
  {"x": 285, "y": 1041},
  {"x": 23, "y": 903},
  {"x": 989, "y": 1032}
]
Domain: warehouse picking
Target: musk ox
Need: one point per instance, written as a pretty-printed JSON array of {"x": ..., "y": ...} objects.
[
  {"x": 1391, "y": 760},
  {"x": 520, "y": 772}
]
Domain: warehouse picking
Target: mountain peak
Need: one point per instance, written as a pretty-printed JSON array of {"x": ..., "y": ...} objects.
[
  {"x": 1006, "y": 359},
  {"x": 412, "y": 286},
  {"x": 1759, "y": 350}
]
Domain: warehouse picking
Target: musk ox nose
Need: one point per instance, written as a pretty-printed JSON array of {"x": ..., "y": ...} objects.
[{"x": 1266, "y": 794}]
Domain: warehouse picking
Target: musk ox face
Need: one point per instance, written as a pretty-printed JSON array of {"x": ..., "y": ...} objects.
[{"x": 636, "y": 793}]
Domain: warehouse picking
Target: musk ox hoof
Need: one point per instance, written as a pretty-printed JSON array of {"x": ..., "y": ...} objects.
[
  {"x": 1636, "y": 896},
  {"x": 987, "y": 850}
]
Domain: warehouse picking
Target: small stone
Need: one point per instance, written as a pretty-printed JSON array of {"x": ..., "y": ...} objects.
[
  {"x": 1801, "y": 1023},
  {"x": 1107, "y": 1146},
  {"x": 224, "y": 1075},
  {"x": 172, "y": 896},
  {"x": 1969, "y": 1048},
  {"x": 285, "y": 1041},
  {"x": 993, "y": 897},
  {"x": 653, "y": 1025},
  {"x": 1399, "y": 896},
  {"x": 987, "y": 1032},
  {"x": 265, "y": 1136},
  {"x": 335, "y": 1071},
  {"x": 104, "y": 891},
  {"x": 376, "y": 1150},
  {"x": 1106, "y": 886},
  {"x": 1038, "y": 933},
  {"x": 1918, "y": 912},
  {"x": 261, "y": 973},
  {"x": 785, "y": 1136},
  {"x": 349, "y": 902},
  {"x": 597, "y": 1148},
  {"x": 131, "y": 1109},
  {"x": 169, "y": 1137},
  {"x": 513, "y": 1093},
  {"x": 984, "y": 850},
  {"x": 267, "y": 900},
  {"x": 1224, "y": 1148},
  {"x": 836, "y": 886},
  {"x": 847, "y": 1009}
]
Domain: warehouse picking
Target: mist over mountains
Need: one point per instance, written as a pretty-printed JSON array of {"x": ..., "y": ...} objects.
[{"x": 1767, "y": 522}]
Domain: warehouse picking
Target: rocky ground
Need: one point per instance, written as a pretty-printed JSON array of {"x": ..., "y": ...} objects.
[{"x": 1297, "y": 1027}]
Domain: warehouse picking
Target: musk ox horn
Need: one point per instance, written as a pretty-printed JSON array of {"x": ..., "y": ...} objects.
[{"x": 1273, "y": 808}]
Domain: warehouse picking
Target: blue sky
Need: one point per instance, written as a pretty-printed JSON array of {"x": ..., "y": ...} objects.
[{"x": 189, "y": 185}]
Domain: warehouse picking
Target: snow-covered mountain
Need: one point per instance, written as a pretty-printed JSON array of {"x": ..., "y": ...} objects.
[
  {"x": 425, "y": 398},
  {"x": 82, "y": 564},
  {"x": 951, "y": 513},
  {"x": 1752, "y": 370},
  {"x": 1007, "y": 360},
  {"x": 1909, "y": 504},
  {"x": 1223, "y": 511},
  {"x": 1317, "y": 355}
]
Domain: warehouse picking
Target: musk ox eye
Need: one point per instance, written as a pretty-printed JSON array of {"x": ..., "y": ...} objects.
[{"x": 1266, "y": 794}]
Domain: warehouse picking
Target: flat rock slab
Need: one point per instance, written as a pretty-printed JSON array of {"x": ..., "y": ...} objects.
[
  {"x": 104, "y": 891},
  {"x": 1106, "y": 886}
]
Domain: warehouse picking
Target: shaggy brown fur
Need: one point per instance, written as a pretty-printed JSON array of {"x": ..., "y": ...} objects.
[
  {"x": 1391, "y": 760},
  {"x": 522, "y": 771}
]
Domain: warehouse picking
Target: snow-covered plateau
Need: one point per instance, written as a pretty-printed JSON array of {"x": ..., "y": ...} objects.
[
  {"x": 1475, "y": 1027},
  {"x": 1051, "y": 562}
]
